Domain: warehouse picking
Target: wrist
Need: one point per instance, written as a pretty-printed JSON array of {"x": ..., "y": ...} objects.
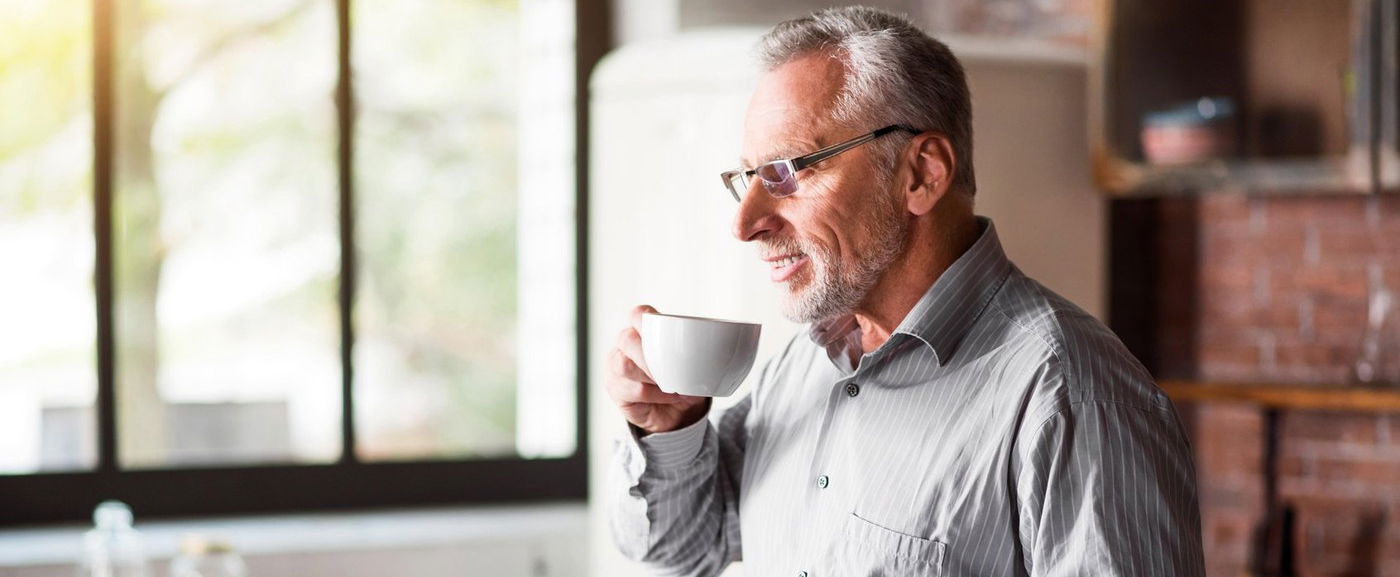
[
  {"x": 695, "y": 414},
  {"x": 686, "y": 418}
]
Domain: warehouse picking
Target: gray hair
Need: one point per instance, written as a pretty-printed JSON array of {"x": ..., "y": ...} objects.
[{"x": 894, "y": 74}]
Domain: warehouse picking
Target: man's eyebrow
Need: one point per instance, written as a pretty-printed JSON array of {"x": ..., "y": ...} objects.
[{"x": 790, "y": 151}]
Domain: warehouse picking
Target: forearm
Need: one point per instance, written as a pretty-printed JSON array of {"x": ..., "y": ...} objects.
[{"x": 672, "y": 501}]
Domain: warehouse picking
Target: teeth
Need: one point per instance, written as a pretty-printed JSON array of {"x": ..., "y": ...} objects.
[{"x": 787, "y": 262}]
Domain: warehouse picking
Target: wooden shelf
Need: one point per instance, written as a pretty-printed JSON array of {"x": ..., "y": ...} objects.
[{"x": 1289, "y": 396}]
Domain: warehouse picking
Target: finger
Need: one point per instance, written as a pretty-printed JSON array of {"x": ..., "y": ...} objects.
[
  {"x": 626, "y": 392},
  {"x": 637, "y": 392},
  {"x": 637, "y": 313},
  {"x": 625, "y": 368},
  {"x": 630, "y": 343}
]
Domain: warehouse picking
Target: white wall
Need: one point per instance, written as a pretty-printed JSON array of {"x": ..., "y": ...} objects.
[
  {"x": 667, "y": 117},
  {"x": 1031, "y": 150}
]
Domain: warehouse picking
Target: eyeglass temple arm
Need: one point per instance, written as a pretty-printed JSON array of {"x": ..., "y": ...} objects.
[{"x": 835, "y": 149}]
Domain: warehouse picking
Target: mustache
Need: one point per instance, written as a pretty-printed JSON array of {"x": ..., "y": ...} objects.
[{"x": 780, "y": 247}]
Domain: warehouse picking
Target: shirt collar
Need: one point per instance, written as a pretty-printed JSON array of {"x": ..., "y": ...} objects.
[{"x": 944, "y": 315}]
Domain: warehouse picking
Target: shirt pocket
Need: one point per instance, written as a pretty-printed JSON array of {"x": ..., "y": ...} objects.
[{"x": 869, "y": 550}]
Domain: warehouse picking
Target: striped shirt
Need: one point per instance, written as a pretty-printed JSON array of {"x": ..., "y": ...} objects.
[{"x": 999, "y": 431}]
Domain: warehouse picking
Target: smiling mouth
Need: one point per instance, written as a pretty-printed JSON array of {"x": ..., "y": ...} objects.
[{"x": 783, "y": 268}]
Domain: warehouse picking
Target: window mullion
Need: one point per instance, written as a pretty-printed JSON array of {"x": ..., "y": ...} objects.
[
  {"x": 345, "y": 122},
  {"x": 102, "y": 107}
]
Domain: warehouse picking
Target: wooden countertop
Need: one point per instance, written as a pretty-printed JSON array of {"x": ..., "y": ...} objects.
[{"x": 1366, "y": 399}]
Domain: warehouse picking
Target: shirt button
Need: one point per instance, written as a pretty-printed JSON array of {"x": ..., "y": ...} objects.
[
  {"x": 823, "y": 481},
  {"x": 801, "y": 574},
  {"x": 852, "y": 389}
]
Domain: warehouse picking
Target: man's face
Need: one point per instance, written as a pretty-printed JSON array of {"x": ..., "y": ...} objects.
[{"x": 830, "y": 241}]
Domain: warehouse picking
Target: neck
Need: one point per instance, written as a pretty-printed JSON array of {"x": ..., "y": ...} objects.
[{"x": 935, "y": 243}]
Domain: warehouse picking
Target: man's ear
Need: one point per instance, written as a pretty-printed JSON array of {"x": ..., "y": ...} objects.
[{"x": 930, "y": 158}]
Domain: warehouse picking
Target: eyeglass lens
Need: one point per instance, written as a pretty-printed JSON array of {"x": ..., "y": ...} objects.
[{"x": 777, "y": 178}]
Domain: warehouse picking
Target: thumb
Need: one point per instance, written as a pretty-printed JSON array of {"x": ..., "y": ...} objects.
[{"x": 637, "y": 313}]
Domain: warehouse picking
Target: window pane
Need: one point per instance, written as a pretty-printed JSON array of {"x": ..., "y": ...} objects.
[
  {"x": 465, "y": 312},
  {"x": 228, "y": 348},
  {"x": 48, "y": 335}
]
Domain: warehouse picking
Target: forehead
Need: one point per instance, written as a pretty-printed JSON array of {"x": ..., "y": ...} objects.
[{"x": 791, "y": 106}]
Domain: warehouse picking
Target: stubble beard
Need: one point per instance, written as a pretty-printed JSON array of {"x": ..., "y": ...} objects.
[{"x": 836, "y": 288}]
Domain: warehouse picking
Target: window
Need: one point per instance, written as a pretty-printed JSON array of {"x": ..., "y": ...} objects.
[
  {"x": 48, "y": 318},
  {"x": 289, "y": 254}
]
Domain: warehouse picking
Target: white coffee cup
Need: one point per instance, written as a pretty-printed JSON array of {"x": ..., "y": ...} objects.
[{"x": 698, "y": 356}]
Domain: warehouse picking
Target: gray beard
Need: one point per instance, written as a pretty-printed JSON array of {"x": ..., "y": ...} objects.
[{"x": 837, "y": 289}]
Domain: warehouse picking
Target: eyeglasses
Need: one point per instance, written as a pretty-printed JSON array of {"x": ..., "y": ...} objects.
[{"x": 780, "y": 176}]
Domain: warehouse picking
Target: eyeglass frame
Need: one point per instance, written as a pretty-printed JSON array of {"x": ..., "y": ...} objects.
[{"x": 796, "y": 164}]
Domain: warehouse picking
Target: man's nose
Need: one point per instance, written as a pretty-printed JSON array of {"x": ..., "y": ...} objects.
[{"x": 756, "y": 217}]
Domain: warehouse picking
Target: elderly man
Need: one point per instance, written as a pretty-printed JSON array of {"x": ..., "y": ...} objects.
[{"x": 944, "y": 414}]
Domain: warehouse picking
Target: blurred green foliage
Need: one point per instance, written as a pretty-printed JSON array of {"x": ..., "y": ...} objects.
[{"x": 232, "y": 157}]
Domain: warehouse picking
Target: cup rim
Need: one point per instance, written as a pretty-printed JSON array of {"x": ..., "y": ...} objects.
[{"x": 703, "y": 319}]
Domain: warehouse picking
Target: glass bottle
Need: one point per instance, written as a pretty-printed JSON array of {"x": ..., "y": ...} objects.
[
  {"x": 1379, "y": 360},
  {"x": 112, "y": 548}
]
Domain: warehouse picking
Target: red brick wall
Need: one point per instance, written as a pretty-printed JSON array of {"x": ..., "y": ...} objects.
[{"x": 1275, "y": 289}]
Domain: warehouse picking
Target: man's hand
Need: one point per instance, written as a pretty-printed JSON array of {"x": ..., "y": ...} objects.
[{"x": 630, "y": 385}]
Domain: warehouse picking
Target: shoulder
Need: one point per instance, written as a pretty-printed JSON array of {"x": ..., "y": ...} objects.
[{"x": 1084, "y": 362}]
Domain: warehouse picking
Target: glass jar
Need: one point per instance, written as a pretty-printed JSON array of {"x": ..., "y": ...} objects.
[{"x": 203, "y": 557}]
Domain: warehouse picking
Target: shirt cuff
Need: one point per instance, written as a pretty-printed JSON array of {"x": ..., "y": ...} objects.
[{"x": 672, "y": 449}]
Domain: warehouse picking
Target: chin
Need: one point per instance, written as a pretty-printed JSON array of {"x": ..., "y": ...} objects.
[
  {"x": 792, "y": 305},
  {"x": 798, "y": 309}
]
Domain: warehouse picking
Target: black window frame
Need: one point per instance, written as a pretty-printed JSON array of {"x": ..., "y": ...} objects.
[{"x": 348, "y": 483}]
